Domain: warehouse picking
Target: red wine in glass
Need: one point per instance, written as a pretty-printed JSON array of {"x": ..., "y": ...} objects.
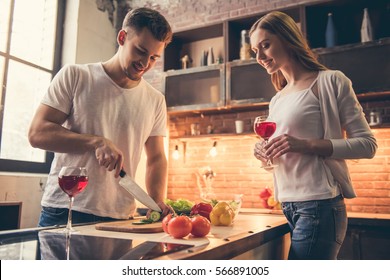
[
  {"x": 265, "y": 129},
  {"x": 72, "y": 180},
  {"x": 72, "y": 184}
]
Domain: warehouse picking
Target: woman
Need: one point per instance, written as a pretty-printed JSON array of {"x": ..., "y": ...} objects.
[{"x": 313, "y": 108}]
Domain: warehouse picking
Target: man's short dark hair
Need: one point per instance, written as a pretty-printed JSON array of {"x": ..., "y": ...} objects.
[{"x": 151, "y": 19}]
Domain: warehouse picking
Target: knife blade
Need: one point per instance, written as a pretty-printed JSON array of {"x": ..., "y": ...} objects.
[{"x": 135, "y": 190}]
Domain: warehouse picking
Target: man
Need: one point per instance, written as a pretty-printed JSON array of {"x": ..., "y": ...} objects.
[{"x": 101, "y": 116}]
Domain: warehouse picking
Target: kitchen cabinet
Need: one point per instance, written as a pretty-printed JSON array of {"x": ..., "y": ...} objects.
[
  {"x": 367, "y": 238},
  {"x": 193, "y": 42},
  {"x": 10, "y": 214},
  {"x": 242, "y": 83},
  {"x": 196, "y": 88},
  {"x": 247, "y": 83},
  {"x": 364, "y": 63},
  {"x": 347, "y": 16}
]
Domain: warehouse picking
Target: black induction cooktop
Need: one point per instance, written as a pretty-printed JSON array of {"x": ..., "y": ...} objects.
[{"x": 52, "y": 245}]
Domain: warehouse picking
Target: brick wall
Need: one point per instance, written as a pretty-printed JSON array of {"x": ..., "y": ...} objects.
[
  {"x": 188, "y": 14},
  {"x": 237, "y": 170}
]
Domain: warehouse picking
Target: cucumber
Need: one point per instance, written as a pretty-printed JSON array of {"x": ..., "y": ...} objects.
[
  {"x": 155, "y": 216},
  {"x": 143, "y": 222}
]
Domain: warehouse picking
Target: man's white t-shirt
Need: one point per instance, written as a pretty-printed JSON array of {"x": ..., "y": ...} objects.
[{"x": 96, "y": 105}]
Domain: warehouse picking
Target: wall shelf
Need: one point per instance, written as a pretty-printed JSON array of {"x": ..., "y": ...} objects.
[
  {"x": 186, "y": 138},
  {"x": 373, "y": 96},
  {"x": 244, "y": 85}
]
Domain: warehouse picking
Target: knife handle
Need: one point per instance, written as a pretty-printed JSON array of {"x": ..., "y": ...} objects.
[{"x": 122, "y": 173}]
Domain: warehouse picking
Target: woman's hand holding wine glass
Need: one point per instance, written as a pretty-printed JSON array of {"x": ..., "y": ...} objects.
[
  {"x": 72, "y": 181},
  {"x": 265, "y": 128}
]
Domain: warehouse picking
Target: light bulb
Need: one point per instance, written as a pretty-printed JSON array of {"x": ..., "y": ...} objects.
[
  {"x": 176, "y": 154},
  {"x": 213, "y": 151}
]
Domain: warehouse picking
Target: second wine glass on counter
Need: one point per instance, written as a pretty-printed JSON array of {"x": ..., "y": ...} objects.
[
  {"x": 72, "y": 180},
  {"x": 265, "y": 128}
]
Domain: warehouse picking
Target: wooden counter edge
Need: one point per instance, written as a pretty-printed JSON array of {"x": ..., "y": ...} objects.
[{"x": 224, "y": 249}]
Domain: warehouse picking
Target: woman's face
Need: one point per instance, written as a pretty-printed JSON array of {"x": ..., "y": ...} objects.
[{"x": 270, "y": 52}]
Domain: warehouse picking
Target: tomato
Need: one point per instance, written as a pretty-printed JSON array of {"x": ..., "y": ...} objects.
[
  {"x": 200, "y": 226},
  {"x": 165, "y": 222},
  {"x": 179, "y": 226}
]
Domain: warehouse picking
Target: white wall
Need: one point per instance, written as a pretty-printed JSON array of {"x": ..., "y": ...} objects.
[
  {"x": 25, "y": 188},
  {"x": 88, "y": 37}
]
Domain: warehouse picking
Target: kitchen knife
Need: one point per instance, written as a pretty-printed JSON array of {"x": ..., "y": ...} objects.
[{"x": 132, "y": 187}]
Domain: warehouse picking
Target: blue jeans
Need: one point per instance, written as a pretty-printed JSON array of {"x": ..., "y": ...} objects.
[
  {"x": 59, "y": 216},
  {"x": 318, "y": 228}
]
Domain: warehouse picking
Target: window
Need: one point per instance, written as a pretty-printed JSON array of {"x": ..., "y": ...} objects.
[{"x": 30, "y": 45}]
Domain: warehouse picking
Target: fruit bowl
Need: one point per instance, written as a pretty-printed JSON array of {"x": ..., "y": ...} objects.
[
  {"x": 234, "y": 201},
  {"x": 225, "y": 209}
]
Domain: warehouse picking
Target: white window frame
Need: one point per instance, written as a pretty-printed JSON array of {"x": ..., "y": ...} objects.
[{"x": 7, "y": 165}]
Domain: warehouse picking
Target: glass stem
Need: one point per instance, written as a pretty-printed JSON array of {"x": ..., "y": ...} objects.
[
  {"x": 269, "y": 163},
  {"x": 67, "y": 245},
  {"x": 69, "y": 225}
]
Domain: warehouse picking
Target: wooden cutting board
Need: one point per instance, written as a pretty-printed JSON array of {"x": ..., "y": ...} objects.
[{"x": 128, "y": 226}]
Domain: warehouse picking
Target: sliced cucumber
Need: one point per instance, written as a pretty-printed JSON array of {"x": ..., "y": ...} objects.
[
  {"x": 155, "y": 216},
  {"x": 143, "y": 222},
  {"x": 139, "y": 223}
]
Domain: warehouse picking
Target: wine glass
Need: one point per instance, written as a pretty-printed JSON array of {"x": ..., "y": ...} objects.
[
  {"x": 264, "y": 127},
  {"x": 72, "y": 180}
]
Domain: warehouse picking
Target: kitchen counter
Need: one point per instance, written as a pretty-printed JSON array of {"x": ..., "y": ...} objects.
[
  {"x": 355, "y": 218},
  {"x": 255, "y": 234},
  {"x": 252, "y": 236}
]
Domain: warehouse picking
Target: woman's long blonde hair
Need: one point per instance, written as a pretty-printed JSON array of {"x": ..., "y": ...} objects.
[{"x": 283, "y": 26}]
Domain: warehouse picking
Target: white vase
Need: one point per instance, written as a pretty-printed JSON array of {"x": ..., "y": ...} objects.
[
  {"x": 210, "y": 57},
  {"x": 366, "y": 31}
]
